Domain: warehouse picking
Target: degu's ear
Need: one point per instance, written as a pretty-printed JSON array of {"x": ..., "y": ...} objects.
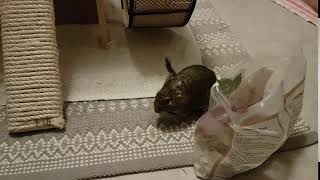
[{"x": 169, "y": 66}]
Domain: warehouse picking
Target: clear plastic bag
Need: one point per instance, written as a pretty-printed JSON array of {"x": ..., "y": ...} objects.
[{"x": 249, "y": 118}]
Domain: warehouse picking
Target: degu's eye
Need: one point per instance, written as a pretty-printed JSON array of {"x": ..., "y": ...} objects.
[
  {"x": 169, "y": 78},
  {"x": 166, "y": 101}
]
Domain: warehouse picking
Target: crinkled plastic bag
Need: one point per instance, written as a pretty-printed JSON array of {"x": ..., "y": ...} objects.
[{"x": 249, "y": 118}]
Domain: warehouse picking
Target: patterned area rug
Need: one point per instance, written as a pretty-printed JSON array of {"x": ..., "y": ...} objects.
[
  {"x": 101, "y": 138},
  {"x": 106, "y": 138}
]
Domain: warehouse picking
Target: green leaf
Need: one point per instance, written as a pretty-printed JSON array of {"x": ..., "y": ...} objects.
[
  {"x": 237, "y": 81},
  {"x": 227, "y": 86}
]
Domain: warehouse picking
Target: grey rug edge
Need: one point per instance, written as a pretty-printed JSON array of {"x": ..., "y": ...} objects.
[
  {"x": 162, "y": 163},
  {"x": 110, "y": 170}
]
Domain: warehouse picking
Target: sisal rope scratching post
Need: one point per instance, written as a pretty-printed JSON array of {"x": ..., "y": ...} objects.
[{"x": 33, "y": 87}]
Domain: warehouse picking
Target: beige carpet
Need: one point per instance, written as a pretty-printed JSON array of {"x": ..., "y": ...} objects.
[{"x": 133, "y": 67}]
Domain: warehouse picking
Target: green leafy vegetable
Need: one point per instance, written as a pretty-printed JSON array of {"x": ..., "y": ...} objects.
[{"x": 227, "y": 86}]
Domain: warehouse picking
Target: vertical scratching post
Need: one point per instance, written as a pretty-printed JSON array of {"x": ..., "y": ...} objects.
[{"x": 31, "y": 66}]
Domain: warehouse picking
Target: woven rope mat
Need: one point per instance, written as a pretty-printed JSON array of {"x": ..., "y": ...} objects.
[
  {"x": 106, "y": 138},
  {"x": 31, "y": 66}
]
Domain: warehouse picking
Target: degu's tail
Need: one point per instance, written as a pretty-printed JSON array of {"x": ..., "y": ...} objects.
[{"x": 169, "y": 66}]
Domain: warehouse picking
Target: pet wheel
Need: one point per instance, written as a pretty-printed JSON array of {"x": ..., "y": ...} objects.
[{"x": 157, "y": 13}]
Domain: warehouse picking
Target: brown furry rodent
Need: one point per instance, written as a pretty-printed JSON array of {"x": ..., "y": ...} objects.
[{"x": 185, "y": 93}]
